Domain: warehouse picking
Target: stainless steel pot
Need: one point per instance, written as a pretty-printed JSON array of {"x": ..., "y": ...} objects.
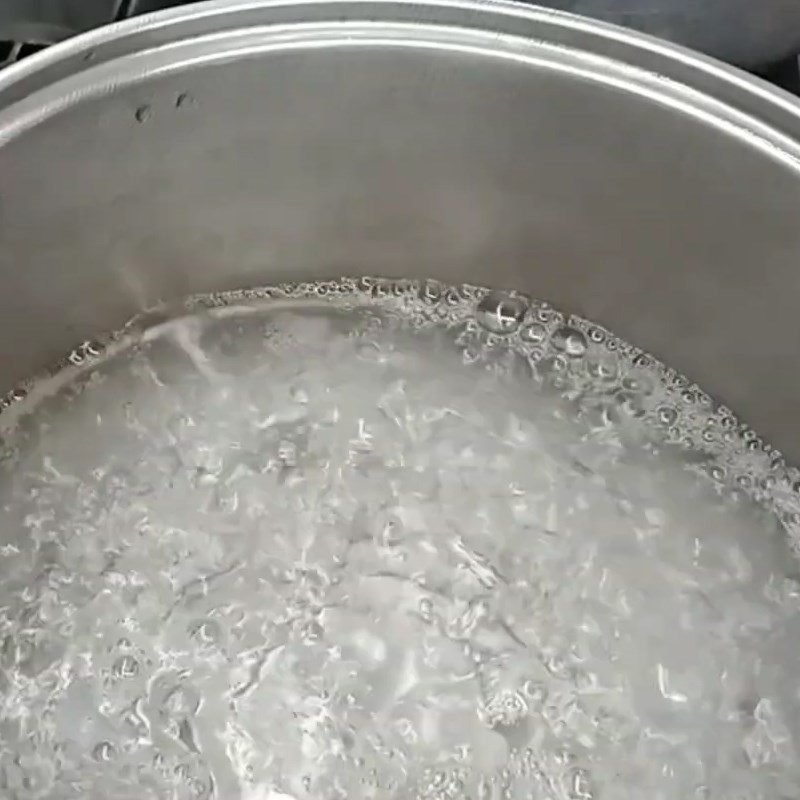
[{"x": 238, "y": 143}]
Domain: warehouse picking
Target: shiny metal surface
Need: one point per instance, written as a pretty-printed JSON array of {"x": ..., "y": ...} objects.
[
  {"x": 750, "y": 33},
  {"x": 235, "y": 144}
]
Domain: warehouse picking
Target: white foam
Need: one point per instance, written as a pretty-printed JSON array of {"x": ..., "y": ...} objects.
[{"x": 306, "y": 551}]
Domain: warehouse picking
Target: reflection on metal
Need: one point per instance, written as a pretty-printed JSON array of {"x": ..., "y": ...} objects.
[
  {"x": 644, "y": 186},
  {"x": 762, "y": 36}
]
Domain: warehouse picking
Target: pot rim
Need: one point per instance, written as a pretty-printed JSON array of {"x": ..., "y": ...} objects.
[{"x": 668, "y": 61}]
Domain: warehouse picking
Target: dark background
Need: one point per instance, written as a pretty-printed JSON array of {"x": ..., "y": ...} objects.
[{"x": 27, "y": 26}]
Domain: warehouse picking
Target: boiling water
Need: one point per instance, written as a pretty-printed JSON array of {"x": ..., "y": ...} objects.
[{"x": 388, "y": 540}]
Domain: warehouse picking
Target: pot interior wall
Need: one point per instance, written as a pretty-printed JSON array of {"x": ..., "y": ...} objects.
[{"x": 499, "y": 162}]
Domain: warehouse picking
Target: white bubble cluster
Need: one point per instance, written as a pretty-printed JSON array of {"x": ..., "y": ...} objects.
[{"x": 390, "y": 539}]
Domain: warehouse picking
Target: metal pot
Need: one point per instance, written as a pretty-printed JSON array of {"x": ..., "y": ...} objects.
[{"x": 238, "y": 143}]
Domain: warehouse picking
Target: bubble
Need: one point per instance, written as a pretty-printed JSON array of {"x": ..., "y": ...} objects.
[
  {"x": 534, "y": 333},
  {"x": 404, "y": 287},
  {"x": 709, "y": 436},
  {"x": 603, "y": 368},
  {"x": 769, "y": 482},
  {"x": 667, "y": 415},
  {"x": 126, "y": 667},
  {"x": 559, "y": 364},
  {"x": 431, "y": 292},
  {"x": 205, "y": 632},
  {"x": 569, "y": 341},
  {"x": 180, "y": 702},
  {"x": 504, "y": 710},
  {"x": 534, "y": 691},
  {"x": 426, "y": 609},
  {"x": 535, "y": 355},
  {"x": 470, "y": 355},
  {"x": 689, "y": 396},
  {"x": 104, "y": 751},
  {"x": 392, "y": 533},
  {"x": 311, "y": 632},
  {"x": 717, "y": 472},
  {"x": 382, "y": 289},
  {"x": 500, "y": 312},
  {"x": 726, "y": 420},
  {"x": 597, "y": 335},
  {"x": 579, "y": 785},
  {"x": 639, "y": 382},
  {"x": 133, "y": 719}
]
